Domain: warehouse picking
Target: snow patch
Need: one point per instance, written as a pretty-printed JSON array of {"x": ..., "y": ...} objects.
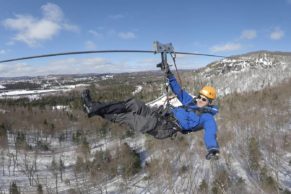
[
  {"x": 61, "y": 107},
  {"x": 161, "y": 101},
  {"x": 137, "y": 90}
]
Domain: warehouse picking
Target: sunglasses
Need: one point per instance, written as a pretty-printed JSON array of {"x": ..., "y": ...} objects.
[{"x": 202, "y": 98}]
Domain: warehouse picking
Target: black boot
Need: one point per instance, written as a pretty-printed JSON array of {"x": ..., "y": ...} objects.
[
  {"x": 86, "y": 98},
  {"x": 87, "y": 102}
]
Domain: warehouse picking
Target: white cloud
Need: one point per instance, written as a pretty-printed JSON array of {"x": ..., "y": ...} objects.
[
  {"x": 52, "y": 12},
  {"x": 248, "y": 34},
  {"x": 102, "y": 33},
  {"x": 147, "y": 61},
  {"x": 77, "y": 65},
  {"x": 73, "y": 65},
  {"x": 90, "y": 45},
  {"x": 126, "y": 35},
  {"x": 67, "y": 66},
  {"x": 33, "y": 31},
  {"x": 40, "y": 31},
  {"x": 226, "y": 47},
  {"x": 277, "y": 34},
  {"x": 18, "y": 69}
]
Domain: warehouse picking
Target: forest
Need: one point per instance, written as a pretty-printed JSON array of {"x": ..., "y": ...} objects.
[{"x": 45, "y": 149}]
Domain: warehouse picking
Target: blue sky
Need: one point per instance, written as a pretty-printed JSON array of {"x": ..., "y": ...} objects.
[{"x": 221, "y": 27}]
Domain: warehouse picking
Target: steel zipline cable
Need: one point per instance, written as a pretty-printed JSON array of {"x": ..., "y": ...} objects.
[{"x": 103, "y": 51}]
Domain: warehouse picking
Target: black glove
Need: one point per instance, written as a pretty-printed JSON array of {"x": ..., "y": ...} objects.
[
  {"x": 160, "y": 65},
  {"x": 169, "y": 73},
  {"x": 165, "y": 69},
  {"x": 212, "y": 154}
]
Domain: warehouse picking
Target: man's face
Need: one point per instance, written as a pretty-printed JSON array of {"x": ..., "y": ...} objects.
[{"x": 202, "y": 101}]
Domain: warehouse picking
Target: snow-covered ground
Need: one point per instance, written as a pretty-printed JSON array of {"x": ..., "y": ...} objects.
[
  {"x": 25, "y": 92},
  {"x": 36, "y": 93},
  {"x": 162, "y": 100}
]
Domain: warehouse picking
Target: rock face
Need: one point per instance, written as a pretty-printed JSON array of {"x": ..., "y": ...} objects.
[{"x": 248, "y": 72}]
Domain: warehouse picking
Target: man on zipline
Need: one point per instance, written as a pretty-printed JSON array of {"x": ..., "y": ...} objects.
[{"x": 194, "y": 114}]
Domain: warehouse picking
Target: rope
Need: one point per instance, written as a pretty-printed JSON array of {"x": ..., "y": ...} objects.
[
  {"x": 102, "y": 51},
  {"x": 178, "y": 74}
]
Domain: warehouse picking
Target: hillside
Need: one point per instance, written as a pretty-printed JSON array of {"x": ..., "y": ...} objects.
[{"x": 249, "y": 72}]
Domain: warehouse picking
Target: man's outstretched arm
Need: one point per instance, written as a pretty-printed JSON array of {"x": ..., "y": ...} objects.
[{"x": 182, "y": 96}]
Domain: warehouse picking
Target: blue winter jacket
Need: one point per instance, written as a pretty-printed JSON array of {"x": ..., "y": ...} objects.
[{"x": 190, "y": 121}]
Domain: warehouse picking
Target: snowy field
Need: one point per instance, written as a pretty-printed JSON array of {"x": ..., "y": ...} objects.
[{"x": 32, "y": 94}]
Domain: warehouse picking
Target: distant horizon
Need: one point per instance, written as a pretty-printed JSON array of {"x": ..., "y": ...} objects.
[{"x": 142, "y": 70}]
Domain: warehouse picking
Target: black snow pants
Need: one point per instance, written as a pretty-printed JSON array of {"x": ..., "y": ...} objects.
[{"x": 140, "y": 117}]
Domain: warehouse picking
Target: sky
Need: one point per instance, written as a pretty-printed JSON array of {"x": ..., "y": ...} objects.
[{"x": 219, "y": 27}]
